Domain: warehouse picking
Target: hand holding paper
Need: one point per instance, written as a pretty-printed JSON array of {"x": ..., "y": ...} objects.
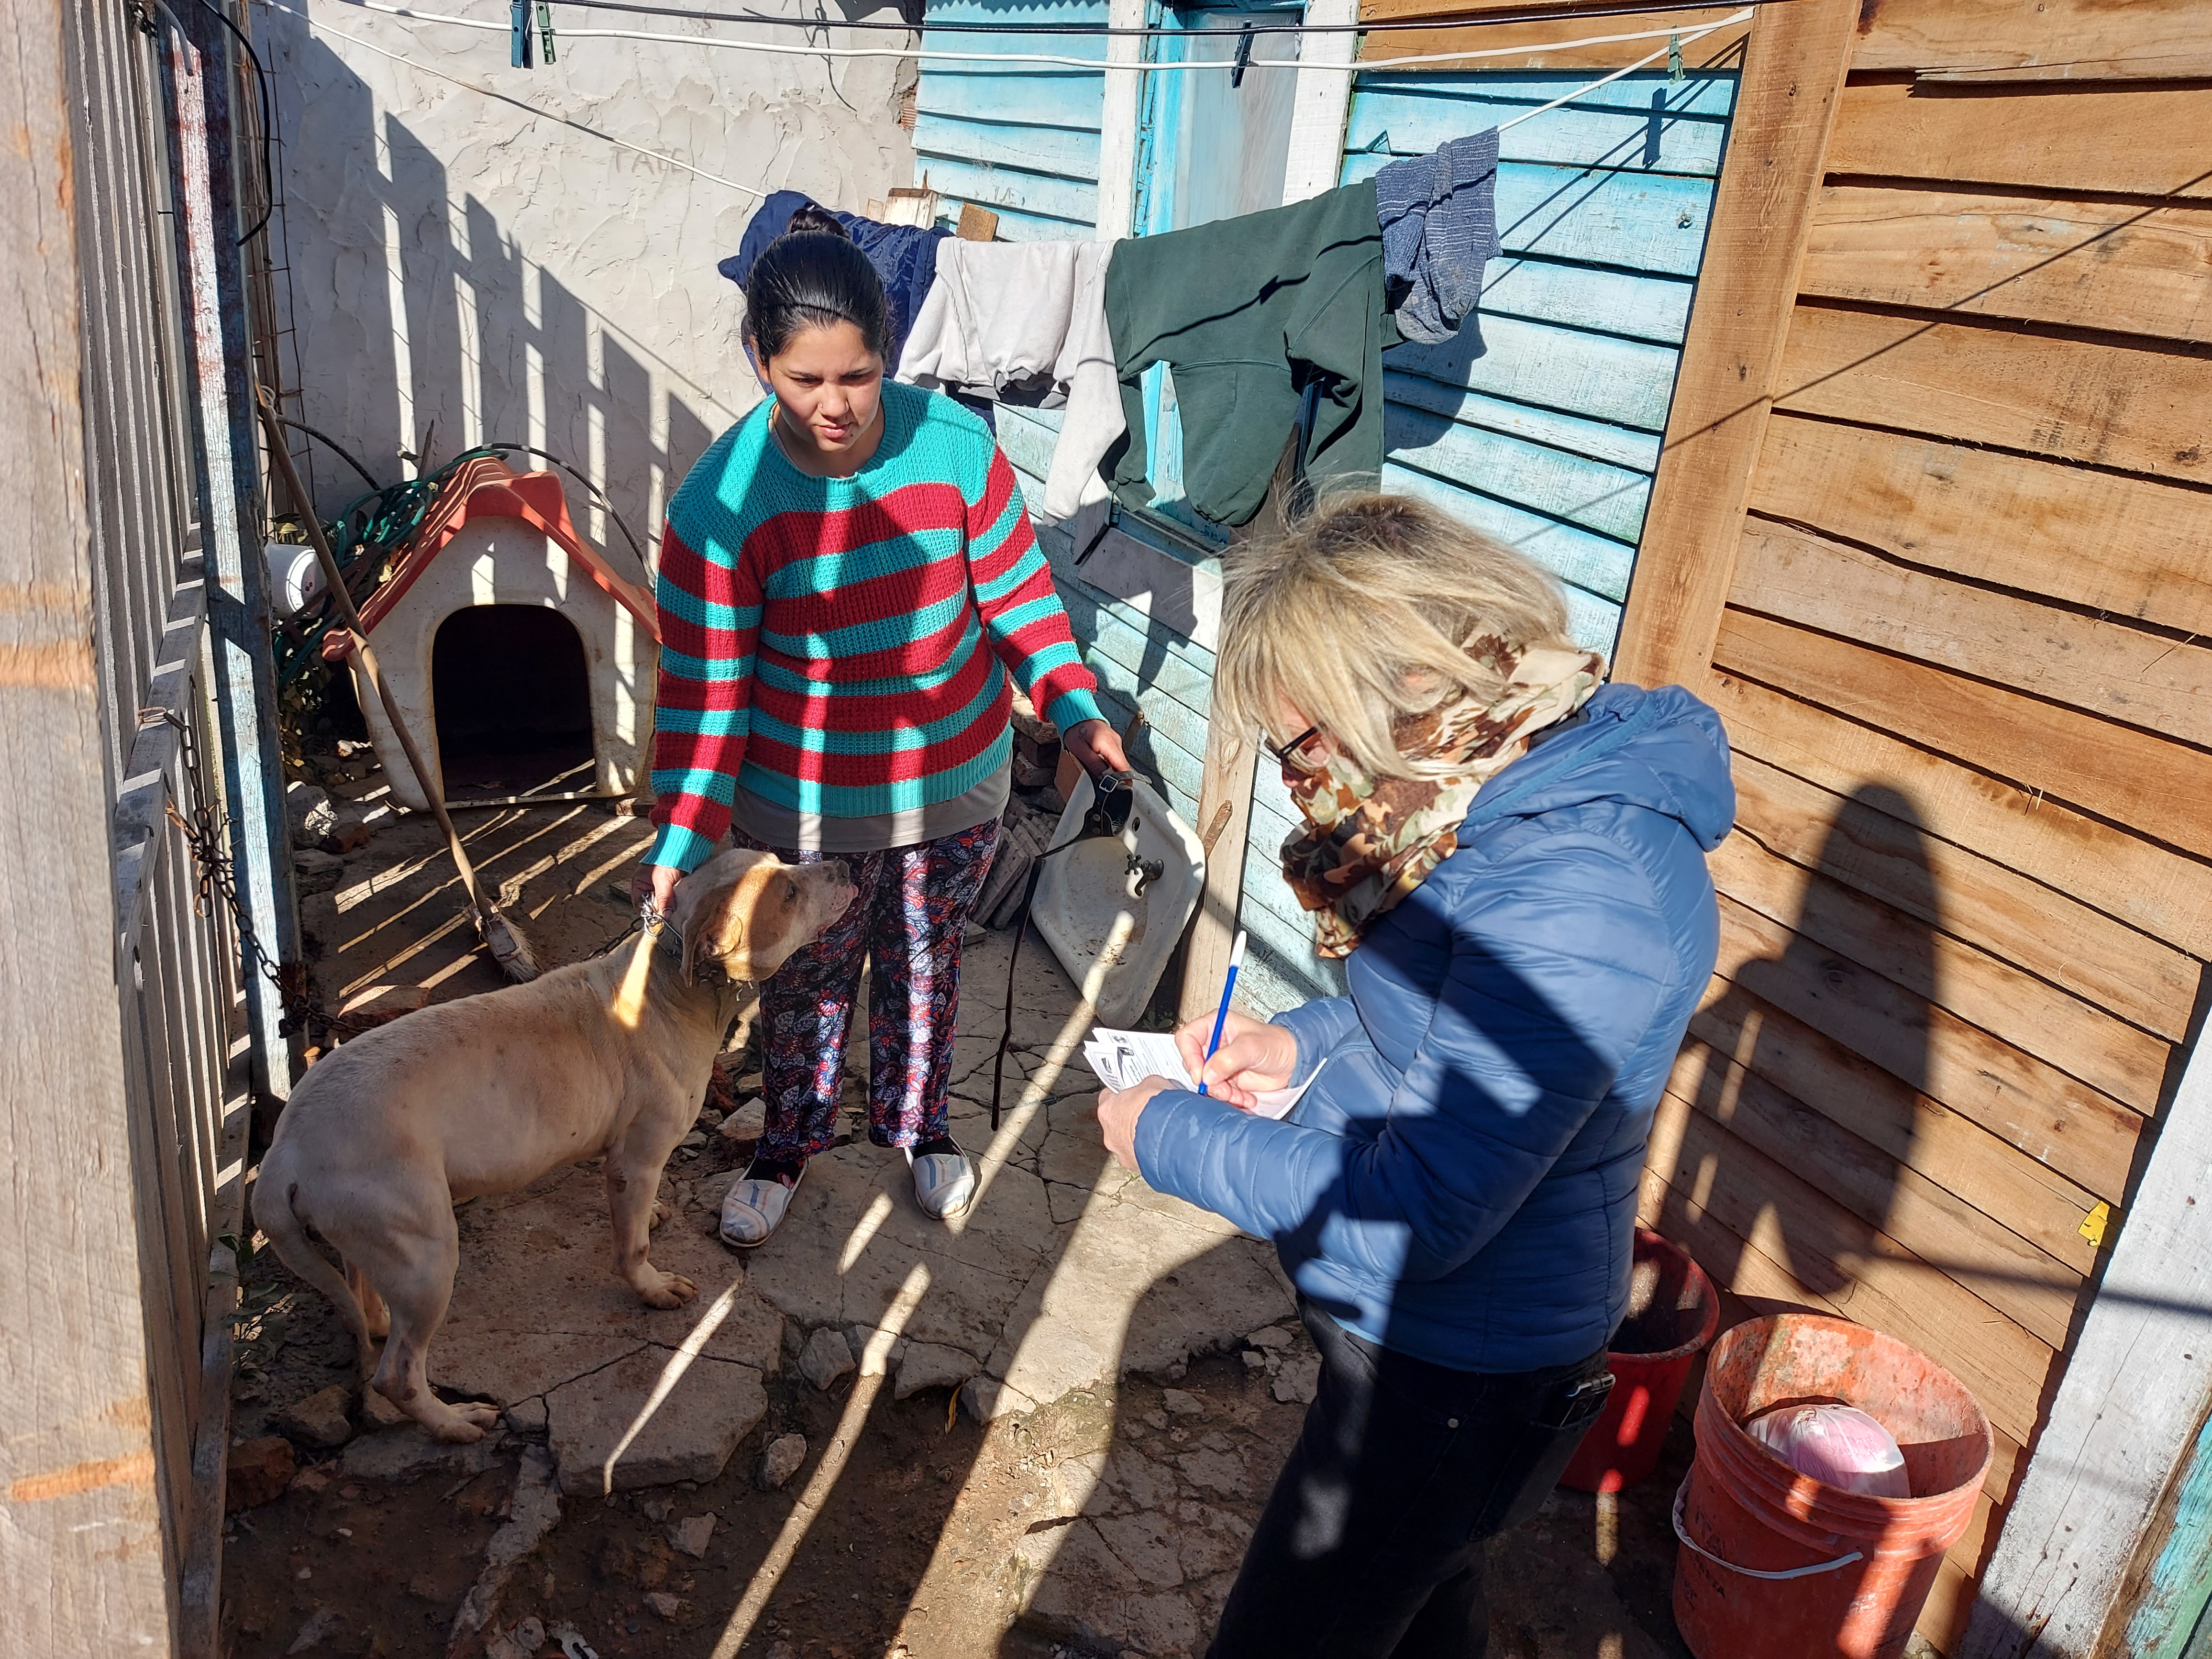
[{"x": 1124, "y": 1058}]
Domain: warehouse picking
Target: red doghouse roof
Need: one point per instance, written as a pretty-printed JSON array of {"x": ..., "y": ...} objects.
[{"x": 487, "y": 488}]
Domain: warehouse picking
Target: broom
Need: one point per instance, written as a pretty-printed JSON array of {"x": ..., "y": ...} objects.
[{"x": 507, "y": 946}]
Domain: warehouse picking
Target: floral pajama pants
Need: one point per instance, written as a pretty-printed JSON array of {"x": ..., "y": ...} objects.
[{"x": 913, "y": 907}]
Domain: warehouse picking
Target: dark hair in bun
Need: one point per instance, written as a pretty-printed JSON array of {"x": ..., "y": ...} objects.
[
  {"x": 813, "y": 217},
  {"x": 813, "y": 276}
]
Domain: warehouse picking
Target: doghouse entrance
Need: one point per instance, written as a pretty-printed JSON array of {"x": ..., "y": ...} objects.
[{"x": 513, "y": 701}]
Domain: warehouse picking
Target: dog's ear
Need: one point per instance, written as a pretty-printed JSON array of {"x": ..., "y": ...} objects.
[{"x": 714, "y": 945}]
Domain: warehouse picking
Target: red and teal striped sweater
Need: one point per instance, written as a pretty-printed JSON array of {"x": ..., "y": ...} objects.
[{"x": 822, "y": 640}]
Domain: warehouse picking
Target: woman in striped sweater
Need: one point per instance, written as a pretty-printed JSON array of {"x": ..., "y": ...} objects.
[{"x": 847, "y": 579}]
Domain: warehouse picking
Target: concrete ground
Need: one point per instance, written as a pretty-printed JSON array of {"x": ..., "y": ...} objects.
[{"x": 1046, "y": 1428}]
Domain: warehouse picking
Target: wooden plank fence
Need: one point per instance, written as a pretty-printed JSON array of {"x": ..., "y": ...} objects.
[{"x": 123, "y": 1016}]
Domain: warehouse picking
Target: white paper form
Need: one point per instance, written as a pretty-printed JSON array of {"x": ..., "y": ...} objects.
[{"x": 1124, "y": 1058}]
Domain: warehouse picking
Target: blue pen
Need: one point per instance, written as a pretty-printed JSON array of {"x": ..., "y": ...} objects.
[{"x": 1221, "y": 1019}]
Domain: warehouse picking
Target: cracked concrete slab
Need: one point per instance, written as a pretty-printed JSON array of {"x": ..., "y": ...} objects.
[
  {"x": 536, "y": 1302},
  {"x": 650, "y": 1419}
]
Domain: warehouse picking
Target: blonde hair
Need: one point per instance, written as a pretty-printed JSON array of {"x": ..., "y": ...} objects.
[{"x": 1362, "y": 615}]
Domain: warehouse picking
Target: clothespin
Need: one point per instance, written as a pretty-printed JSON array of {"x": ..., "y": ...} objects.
[
  {"x": 1674, "y": 60},
  {"x": 1243, "y": 56},
  {"x": 517, "y": 34},
  {"x": 545, "y": 25}
]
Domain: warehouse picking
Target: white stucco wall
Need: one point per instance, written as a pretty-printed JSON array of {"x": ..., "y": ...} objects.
[{"x": 456, "y": 256}]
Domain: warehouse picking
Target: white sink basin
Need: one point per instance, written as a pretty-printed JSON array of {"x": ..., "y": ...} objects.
[{"x": 1113, "y": 911}]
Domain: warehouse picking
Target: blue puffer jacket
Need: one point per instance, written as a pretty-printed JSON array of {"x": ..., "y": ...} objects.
[{"x": 1461, "y": 1184}]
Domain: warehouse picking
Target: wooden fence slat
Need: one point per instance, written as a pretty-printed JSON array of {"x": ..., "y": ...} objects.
[
  {"x": 1648, "y": 221},
  {"x": 2062, "y": 1030},
  {"x": 1852, "y": 1265},
  {"x": 2127, "y": 546},
  {"x": 2119, "y": 1427},
  {"x": 1072, "y": 155},
  {"x": 2165, "y": 895},
  {"x": 1793, "y": 73},
  {"x": 2112, "y": 265},
  {"x": 1592, "y": 495},
  {"x": 2087, "y": 1137},
  {"x": 2119, "y": 139},
  {"x": 1574, "y": 371},
  {"x": 2039, "y": 40},
  {"x": 1642, "y": 125},
  {"x": 2102, "y": 668},
  {"x": 2076, "y": 400},
  {"x": 1905, "y": 1129},
  {"x": 2138, "y": 779},
  {"x": 1857, "y": 840},
  {"x": 1541, "y": 42},
  {"x": 1598, "y": 441},
  {"x": 1995, "y": 1263}
]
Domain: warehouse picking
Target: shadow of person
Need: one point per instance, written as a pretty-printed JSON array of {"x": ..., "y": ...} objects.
[{"x": 1780, "y": 1158}]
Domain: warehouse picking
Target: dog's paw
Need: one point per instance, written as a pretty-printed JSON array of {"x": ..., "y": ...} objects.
[
  {"x": 660, "y": 1213},
  {"x": 469, "y": 1421},
  {"x": 672, "y": 1290}
]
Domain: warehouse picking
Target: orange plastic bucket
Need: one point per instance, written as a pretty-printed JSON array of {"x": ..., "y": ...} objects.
[
  {"x": 1673, "y": 1312},
  {"x": 1773, "y": 1562}
]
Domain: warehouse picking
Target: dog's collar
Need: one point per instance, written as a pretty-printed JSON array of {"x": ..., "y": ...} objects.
[{"x": 667, "y": 939}]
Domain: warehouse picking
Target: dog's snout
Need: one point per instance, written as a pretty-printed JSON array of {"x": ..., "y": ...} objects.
[{"x": 840, "y": 872}]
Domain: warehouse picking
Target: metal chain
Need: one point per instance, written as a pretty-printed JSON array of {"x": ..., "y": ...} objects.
[{"x": 202, "y": 828}]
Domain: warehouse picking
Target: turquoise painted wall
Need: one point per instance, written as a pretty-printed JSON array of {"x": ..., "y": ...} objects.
[{"x": 1543, "y": 430}]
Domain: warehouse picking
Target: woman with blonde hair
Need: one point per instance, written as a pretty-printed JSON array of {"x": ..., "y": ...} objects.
[{"x": 1510, "y": 855}]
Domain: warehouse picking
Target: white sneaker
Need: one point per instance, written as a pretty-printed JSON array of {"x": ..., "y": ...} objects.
[
  {"x": 943, "y": 1183},
  {"x": 753, "y": 1209}
]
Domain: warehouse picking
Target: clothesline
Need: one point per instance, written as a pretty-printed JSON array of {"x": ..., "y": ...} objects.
[
  {"x": 543, "y": 114},
  {"x": 1674, "y": 36},
  {"x": 1490, "y": 17}
]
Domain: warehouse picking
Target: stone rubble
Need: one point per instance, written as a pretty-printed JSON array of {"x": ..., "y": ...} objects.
[
  {"x": 826, "y": 1357},
  {"x": 779, "y": 1461},
  {"x": 320, "y": 1419}
]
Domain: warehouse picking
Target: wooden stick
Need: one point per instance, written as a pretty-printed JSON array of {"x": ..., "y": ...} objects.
[{"x": 506, "y": 945}]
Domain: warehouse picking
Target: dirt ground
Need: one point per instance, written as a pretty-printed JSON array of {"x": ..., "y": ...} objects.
[{"x": 1110, "y": 1520}]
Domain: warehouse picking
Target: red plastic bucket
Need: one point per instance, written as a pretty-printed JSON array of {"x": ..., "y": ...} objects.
[
  {"x": 1673, "y": 1312},
  {"x": 1773, "y": 1562}
]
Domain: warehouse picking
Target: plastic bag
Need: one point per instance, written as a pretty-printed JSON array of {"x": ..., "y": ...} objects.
[{"x": 1839, "y": 1445}]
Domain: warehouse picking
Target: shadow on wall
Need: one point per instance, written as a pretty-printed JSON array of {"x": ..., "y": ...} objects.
[
  {"x": 1717, "y": 1201},
  {"x": 430, "y": 329}
]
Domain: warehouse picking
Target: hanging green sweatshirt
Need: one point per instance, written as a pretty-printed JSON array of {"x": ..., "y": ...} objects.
[{"x": 1248, "y": 311}]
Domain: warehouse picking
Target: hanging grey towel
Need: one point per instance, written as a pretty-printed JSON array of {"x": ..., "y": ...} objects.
[{"x": 1438, "y": 216}]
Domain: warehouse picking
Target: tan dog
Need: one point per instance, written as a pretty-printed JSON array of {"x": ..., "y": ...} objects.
[{"x": 607, "y": 1058}]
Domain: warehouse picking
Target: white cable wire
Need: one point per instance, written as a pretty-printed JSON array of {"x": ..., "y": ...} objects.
[
  {"x": 1685, "y": 37},
  {"x": 1584, "y": 92},
  {"x": 1096, "y": 66},
  {"x": 543, "y": 114}
]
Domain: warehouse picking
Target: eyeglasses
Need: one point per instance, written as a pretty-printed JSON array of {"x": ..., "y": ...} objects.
[{"x": 1289, "y": 754}]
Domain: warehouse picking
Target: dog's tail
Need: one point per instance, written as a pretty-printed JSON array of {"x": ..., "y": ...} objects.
[{"x": 274, "y": 1192}]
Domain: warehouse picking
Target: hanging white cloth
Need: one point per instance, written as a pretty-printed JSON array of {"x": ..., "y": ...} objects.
[{"x": 1027, "y": 321}]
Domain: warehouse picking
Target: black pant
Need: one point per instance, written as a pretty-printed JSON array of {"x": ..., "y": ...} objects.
[{"x": 1371, "y": 1541}]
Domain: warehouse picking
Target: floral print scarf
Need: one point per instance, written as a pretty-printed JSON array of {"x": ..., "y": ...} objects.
[{"x": 1366, "y": 844}]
